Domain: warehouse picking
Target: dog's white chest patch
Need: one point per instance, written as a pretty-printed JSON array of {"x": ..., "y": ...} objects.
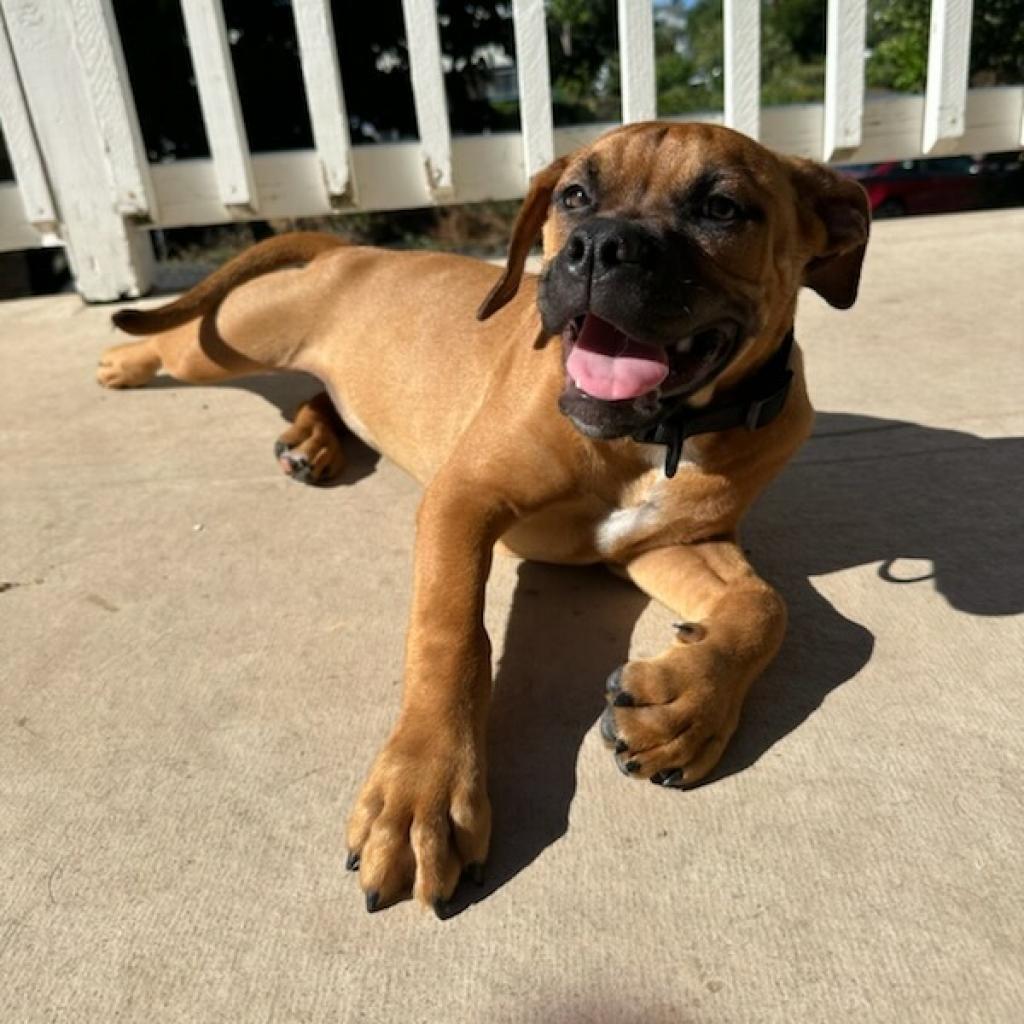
[{"x": 621, "y": 526}]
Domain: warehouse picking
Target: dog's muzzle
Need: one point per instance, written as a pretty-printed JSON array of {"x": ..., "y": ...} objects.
[{"x": 636, "y": 328}]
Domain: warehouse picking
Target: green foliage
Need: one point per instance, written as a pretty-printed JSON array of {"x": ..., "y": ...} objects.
[
  {"x": 898, "y": 39},
  {"x": 583, "y": 49},
  {"x": 792, "y": 56},
  {"x": 997, "y": 50},
  {"x": 802, "y": 24},
  {"x": 690, "y": 65},
  {"x": 786, "y": 76}
]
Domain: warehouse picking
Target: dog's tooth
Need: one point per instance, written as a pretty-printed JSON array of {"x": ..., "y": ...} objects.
[{"x": 684, "y": 345}]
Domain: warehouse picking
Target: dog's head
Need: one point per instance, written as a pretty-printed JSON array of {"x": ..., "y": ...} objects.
[{"x": 673, "y": 254}]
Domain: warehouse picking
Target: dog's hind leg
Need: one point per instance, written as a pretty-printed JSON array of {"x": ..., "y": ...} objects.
[
  {"x": 129, "y": 366},
  {"x": 179, "y": 352},
  {"x": 310, "y": 449},
  {"x": 233, "y": 326},
  {"x": 187, "y": 337}
]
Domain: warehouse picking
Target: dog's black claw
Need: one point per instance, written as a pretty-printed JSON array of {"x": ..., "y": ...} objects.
[
  {"x": 657, "y": 778},
  {"x": 621, "y": 746},
  {"x": 352, "y": 861},
  {"x": 623, "y": 766},
  {"x": 608, "y": 726},
  {"x": 672, "y": 779},
  {"x": 613, "y": 684},
  {"x": 631, "y": 766},
  {"x": 279, "y": 449},
  {"x": 624, "y": 699},
  {"x": 373, "y": 901},
  {"x": 475, "y": 872}
]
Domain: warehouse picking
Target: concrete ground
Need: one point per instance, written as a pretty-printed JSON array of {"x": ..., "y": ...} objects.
[{"x": 200, "y": 658}]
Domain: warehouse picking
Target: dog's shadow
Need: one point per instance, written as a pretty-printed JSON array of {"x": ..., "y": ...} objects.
[
  {"x": 925, "y": 506},
  {"x": 287, "y": 391},
  {"x": 928, "y": 507}
]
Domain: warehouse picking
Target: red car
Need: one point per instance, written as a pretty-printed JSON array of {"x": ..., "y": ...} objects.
[{"x": 942, "y": 185}]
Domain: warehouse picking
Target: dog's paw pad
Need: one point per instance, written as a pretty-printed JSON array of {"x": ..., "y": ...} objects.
[{"x": 311, "y": 460}]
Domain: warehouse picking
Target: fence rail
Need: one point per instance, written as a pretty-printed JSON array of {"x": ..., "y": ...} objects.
[{"x": 83, "y": 181}]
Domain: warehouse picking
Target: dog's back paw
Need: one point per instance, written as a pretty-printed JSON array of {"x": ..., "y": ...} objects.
[
  {"x": 310, "y": 450},
  {"x": 128, "y": 366}
]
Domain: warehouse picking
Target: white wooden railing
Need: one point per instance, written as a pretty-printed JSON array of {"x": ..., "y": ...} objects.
[{"x": 83, "y": 180}]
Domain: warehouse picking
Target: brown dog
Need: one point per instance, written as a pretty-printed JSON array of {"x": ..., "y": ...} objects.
[{"x": 673, "y": 258}]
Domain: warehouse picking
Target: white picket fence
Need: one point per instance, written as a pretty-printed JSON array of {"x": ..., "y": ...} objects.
[{"x": 83, "y": 180}]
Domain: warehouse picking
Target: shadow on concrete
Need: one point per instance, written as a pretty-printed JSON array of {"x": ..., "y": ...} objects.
[
  {"x": 567, "y": 630},
  {"x": 936, "y": 508},
  {"x": 928, "y": 507},
  {"x": 287, "y": 391}
]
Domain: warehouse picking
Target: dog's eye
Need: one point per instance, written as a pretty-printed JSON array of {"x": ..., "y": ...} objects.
[
  {"x": 720, "y": 208},
  {"x": 575, "y": 198}
]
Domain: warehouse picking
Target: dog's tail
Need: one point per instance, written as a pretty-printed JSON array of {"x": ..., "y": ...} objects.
[{"x": 270, "y": 254}]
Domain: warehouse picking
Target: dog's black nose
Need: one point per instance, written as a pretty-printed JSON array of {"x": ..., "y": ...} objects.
[{"x": 603, "y": 245}]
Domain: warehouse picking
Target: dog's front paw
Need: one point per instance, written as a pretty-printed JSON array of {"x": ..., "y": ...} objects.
[
  {"x": 421, "y": 820},
  {"x": 669, "y": 718}
]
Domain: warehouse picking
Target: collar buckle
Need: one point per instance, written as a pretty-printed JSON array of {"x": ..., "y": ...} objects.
[
  {"x": 753, "y": 418},
  {"x": 761, "y": 411}
]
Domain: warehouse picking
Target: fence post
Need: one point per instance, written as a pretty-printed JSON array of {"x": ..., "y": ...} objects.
[
  {"x": 218, "y": 99},
  {"x": 844, "y": 75},
  {"x": 428, "y": 97},
  {"x": 949, "y": 61},
  {"x": 111, "y": 257},
  {"x": 636, "y": 59},
  {"x": 22, "y": 149},
  {"x": 533, "y": 75},
  {"x": 325, "y": 99},
  {"x": 741, "y": 29}
]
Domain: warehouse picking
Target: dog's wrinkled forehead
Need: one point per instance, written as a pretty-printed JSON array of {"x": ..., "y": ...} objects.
[
  {"x": 644, "y": 168},
  {"x": 780, "y": 221}
]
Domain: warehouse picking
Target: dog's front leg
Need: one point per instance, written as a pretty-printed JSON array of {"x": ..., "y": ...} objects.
[
  {"x": 671, "y": 716},
  {"x": 423, "y": 816}
]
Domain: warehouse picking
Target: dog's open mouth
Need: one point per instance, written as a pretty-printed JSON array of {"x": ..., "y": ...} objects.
[{"x": 607, "y": 364}]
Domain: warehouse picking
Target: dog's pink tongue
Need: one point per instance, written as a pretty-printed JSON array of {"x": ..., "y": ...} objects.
[{"x": 607, "y": 364}]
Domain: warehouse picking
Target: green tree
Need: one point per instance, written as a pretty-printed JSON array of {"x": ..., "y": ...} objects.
[
  {"x": 898, "y": 39},
  {"x": 802, "y": 23},
  {"x": 997, "y": 42},
  {"x": 583, "y": 51},
  {"x": 690, "y": 65}
]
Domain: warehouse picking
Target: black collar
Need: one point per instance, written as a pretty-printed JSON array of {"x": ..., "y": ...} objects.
[{"x": 758, "y": 403}]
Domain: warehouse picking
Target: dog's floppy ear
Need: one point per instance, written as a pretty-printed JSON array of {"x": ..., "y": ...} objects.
[
  {"x": 525, "y": 232},
  {"x": 840, "y": 220}
]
